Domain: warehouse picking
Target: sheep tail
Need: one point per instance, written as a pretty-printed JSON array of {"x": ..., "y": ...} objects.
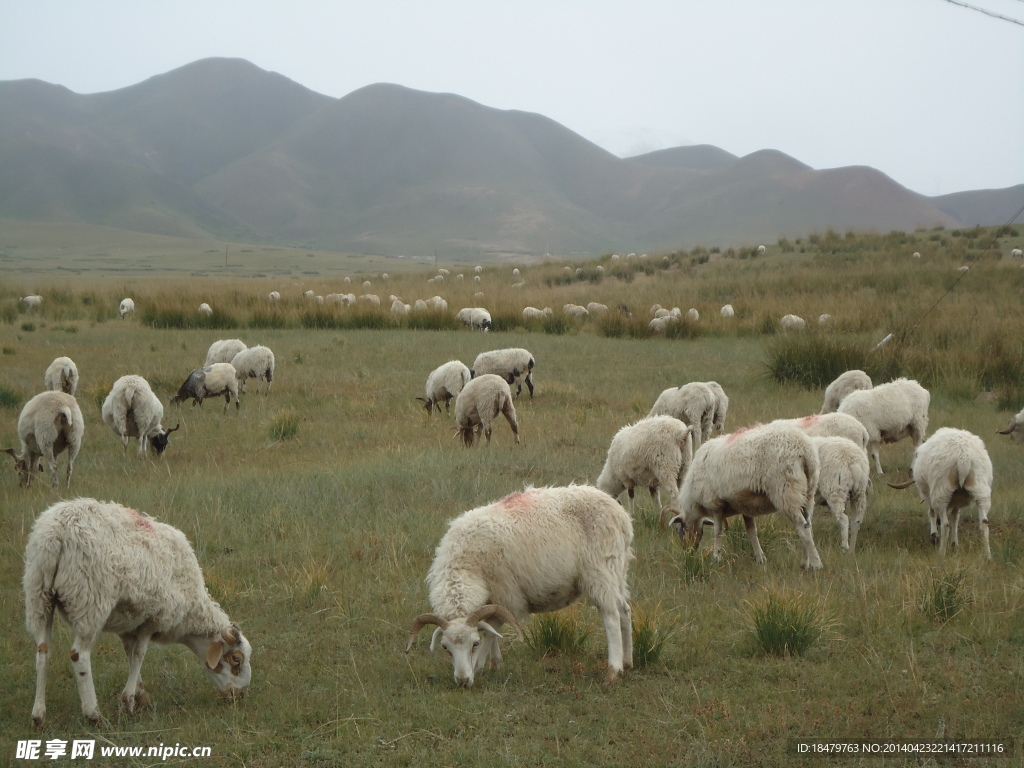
[{"x": 40, "y": 578}]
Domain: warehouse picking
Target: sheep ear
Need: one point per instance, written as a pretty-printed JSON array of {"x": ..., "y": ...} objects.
[
  {"x": 483, "y": 626},
  {"x": 435, "y": 637},
  {"x": 214, "y": 653}
]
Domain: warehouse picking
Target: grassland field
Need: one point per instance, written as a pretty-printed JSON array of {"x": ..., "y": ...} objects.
[{"x": 315, "y": 511}]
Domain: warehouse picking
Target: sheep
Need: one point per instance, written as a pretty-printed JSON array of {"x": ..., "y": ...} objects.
[
  {"x": 692, "y": 403},
  {"x": 319, "y": 299},
  {"x": 205, "y": 309},
  {"x": 224, "y": 351},
  {"x": 61, "y": 376},
  {"x": 844, "y": 384},
  {"x": 727, "y": 311},
  {"x": 599, "y": 269},
  {"x": 480, "y": 402},
  {"x": 890, "y": 412},
  {"x": 516, "y": 361},
  {"x": 521, "y": 284},
  {"x": 654, "y": 309},
  {"x": 792, "y": 323},
  {"x": 474, "y": 317},
  {"x": 132, "y": 410},
  {"x": 419, "y": 305},
  {"x": 347, "y": 281},
  {"x": 478, "y": 296},
  {"x": 399, "y": 308},
  {"x": 1015, "y": 429},
  {"x": 126, "y": 307},
  {"x": 661, "y": 324},
  {"x": 532, "y": 313},
  {"x": 952, "y": 469},
  {"x": 662, "y": 312},
  {"x": 761, "y": 250},
  {"x": 531, "y": 552},
  {"x": 254, "y": 363},
  {"x": 308, "y": 294},
  {"x": 843, "y": 478},
  {"x": 31, "y": 302},
  {"x": 915, "y": 255},
  {"x": 1016, "y": 253},
  {"x": 443, "y": 272},
  {"x": 107, "y": 568},
  {"x": 49, "y": 424},
  {"x": 693, "y": 315},
  {"x": 832, "y": 425},
  {"x": 575, "y": 310},
  {"x": 367, "y": 284},
  {"x": 369, "y": 298},
  {"x": 384, "y": 275},
  {"x": 478, "y": 269},
  {"x": 754, "y": 471},
  {"x": 476, "y": 279},
  {"x": 721, "y": 406},
  {"x": 209, "y": 381},
  {"x": 445, "y": 383},
  {"x": 437, "y": 304},
  {"x": 654, "y": 452},
  {"x": 274, "y": 296}
]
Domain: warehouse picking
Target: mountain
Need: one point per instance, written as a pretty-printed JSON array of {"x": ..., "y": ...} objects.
[{"x": 225, "y": 148}]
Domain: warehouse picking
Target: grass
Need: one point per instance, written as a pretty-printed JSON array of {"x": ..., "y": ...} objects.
[
  {"x": 785, "y": 624},
  {"x": 317, "y": 539}
]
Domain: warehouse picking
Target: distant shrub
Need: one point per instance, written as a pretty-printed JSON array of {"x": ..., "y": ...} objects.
[
  {"x": 557, "y": 324},
  {"x": 266, "y": 318},
  {"x": 29, "y": 327},
  {"x": 10, "y": 398},
  {"x": 814, "y": 360}
]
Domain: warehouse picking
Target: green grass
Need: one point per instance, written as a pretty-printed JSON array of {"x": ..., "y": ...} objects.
[{"x": 784, "y": 624}]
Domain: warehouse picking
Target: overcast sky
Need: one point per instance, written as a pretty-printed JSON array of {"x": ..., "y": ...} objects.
[{"x": 928, "y": 92}]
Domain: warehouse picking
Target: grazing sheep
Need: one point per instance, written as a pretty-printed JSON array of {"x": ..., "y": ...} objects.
[
  {"x": 384, "y": 275},
  {"x": 275, "y": 296},
  {"x": 754, "y": 471},
  {"x": 660, "y": 324},
  {"x": 662, "y": 312},
  {"x": 419, "y": 305},
  {"x": 107, "y": 568},
  {"x": 890, "y": 412},
  {"x": 209, "y": 381},
  {"x": 515, "y": 361},
  {"x": 126, "y": 308},
  {"x": 531, "y": 552},
  {"x": 224, "y": 351},
  {"x": 532, "y": 313},
  {"x": 599, "y": 269},
  {"x": 399, "y": 308},
  {"x": 254, "y": 363},
  {"x": 760, "y": 250},
  {"x": 476, "y": 279},
  {"x": 693, "y": 315},
  {"x": 1016, "y": 253},
  {"x": 654, "y": 309},
  {"x": 832, "y": 425},
  {"x": 693, "y": 404},
  {"x": 654, "y": 452},
  {"x": 347, "y": 281},
  {"x": 963, "y": 268},
  {"x": 132, "y": 410},
  {"x": 952, "y": 469},
  {"x": 824, "y": 319},
  {"x": 728, "y": 311},
  {"x": 445, "y": 383},
  {"x": 309, "y": 294},
  {"x": 478, "y": 405},
  {"x": 844, "y": 477},
  {"x": 205, "y": 309},
  {"x": 596, "y": 308},
  {"x": 792, "y": 323},
  {"x": 1015, "y": 429},
  {"x": 474, "y": 317},
  {"x": 844, "y": 384},
  {"x": 721, "y": 407},
  {"x": 574, "y": 310},
  {"x": 61, "y": 376},
  {"x": 519, "y": 285},
  {"x": 31, "y": 301},
  {"x": 515, "y": 272},
  {"x": 369, "y": 298},
  {"x": 49, "y": 424},
  {"x": 437, "y": 304},
  {"x": 915, "y": 255}
]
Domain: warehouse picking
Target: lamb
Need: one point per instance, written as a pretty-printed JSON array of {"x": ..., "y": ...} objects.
[
  {"x": 61, "y": 376},
  {"x": 254, "y": 363},
  {"x": 727, "y": 311},
  {"x": 952, "y": 469},
  {"x": 754, "y": 471},
  {"x": 692, "y": 403},
  {"x": 1015, "y": 429},
  {"x": 209, "y": 381},
  {"x": 890, "y": 412},
  {"x": 844, "y": 384},
  {"x": 205, "y": 309},
  {"x": 444, "y": 384},
  {"x": 474, "y": 317},
  {"x": 49, "y": 424},
  {"x": 224, "y": 351},
  {"x": 126, "y": 308},
  {"x": 132, "y": 410},
  {"x": 531, "y": 552},
  {"x": 844, "y": 477},
  {"x": 108, "y": 568},
  {"x": 480, "y": 402},
  {"x": 832, "y": 425},
  {"x": 654, "y": 452},
  {"x": 792, "y": 323},
  {"x": 31, "y": 302},
  {"x": 516, "y": 361}
]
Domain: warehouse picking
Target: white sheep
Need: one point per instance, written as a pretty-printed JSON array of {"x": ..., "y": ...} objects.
[
  {"x": 254, "y": 363},
  {"x": 761, "y": 250},
  {"x": 845, "y": 383},
  {"x": 654, "y": 310},
  {"x": 209, "y": 381},
  {"x": 224, "y": 351},
  {"x": 369, "y": 298},
  {"x": 721, "y": 407},
  {"x": 889, "y": 412},
  {"x": 49, "y": 424},
  {"x": 474, "y": 317},
  {"x": 531, "y": 552},
  {"x": 107, "y": 568},
  {"x": 952, "y": 470},
  {"x": 693, "y": 315},
  {"x": 274, "y": 296},
  {"x": 126, "y": 307},
  {"x": 727, "y": 311},
  {"x": 792, "y": 323},
  {"x": 693, "y": 404},
  {"x": 132, "y": 410},
  {"x": 1016, "y": 253},
  {"x": 596, "y": 308},
  {"x": 532, "y": 313},
  {"x": 660, "y": 324},
  {"x": 476, "y": 279},
  {"x": 832, "y": 425},
  {"x": 824, "y": 319},
  {"x": 479, "y": 404},
  {"x": 31, "y": 302},
  {"x": 515, "y": 272},
  {"x": 309, "y": 294},
  {"x": 653, "y": 453},
  {"x": 399, "y": 308},
  {"x": 843, "y": 479},
  {"x": 444, "y": 384},
  {"x": 662, "y": 312},
  {"x": 574, "y": 310},
  {"x": 1015, "y": 429},
  {"x": 367, "y": 284},
  {"x": 419, "y": 305},
  {"x": 515, "y": 361},
  {"x": 205, "y": 309},
  {"x": 915, "y": 255},
  {"x": 443, "y": 272},
  {"x": 437, "y": 304},
  {"x": 755, "y": 471},
  {"x": 61, "y": 376},
  {"x": 478, "y": 269}
]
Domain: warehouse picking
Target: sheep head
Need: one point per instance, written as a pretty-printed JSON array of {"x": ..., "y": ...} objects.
[
  {"x": 463, "y": 638},
  {"x": 690, "y": 531},
  {"x": 227, "y": 660},
  {"x": 159, "y": 442}
]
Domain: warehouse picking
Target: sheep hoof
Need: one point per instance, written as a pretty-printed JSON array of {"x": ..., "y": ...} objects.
[
  {"x": 38, "y": 721},
  {"x": 612, "y": 676},
  {"x": 98, "y": 720}
]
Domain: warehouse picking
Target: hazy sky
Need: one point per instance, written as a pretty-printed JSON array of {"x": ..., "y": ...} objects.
[{"x": 928, "y": 92}]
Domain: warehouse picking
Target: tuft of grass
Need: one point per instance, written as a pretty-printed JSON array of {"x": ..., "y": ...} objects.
[
  {"x": 558, "y": 634},
  {"x": 10, "y": 398},
  {"x": 696, "y": 565},
  {"x": 285, "y": 426},
  {"x": 814, "y": 360},
  {"x": 947, "y": 596},
  {"x": 10, "y": 351},
  {"x": 649, "y": 637},
  {"x": 29, "y": 327},
  {"x": 785, "y": 623}
]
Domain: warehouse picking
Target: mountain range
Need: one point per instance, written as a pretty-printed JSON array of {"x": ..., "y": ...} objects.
[{"x": 223, "y": 148}]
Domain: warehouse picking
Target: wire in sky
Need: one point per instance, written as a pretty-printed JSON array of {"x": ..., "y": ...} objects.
[{"x": 986, "y": 12}]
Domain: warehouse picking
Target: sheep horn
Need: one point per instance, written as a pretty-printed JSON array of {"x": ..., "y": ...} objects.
[
  {"x": 901, "y": 486},
  {"x": 1010, "y": 428},
  {"x": 232, "y": 635},
  {"x": 421, "y": 621},
  {"x": 492, "y": 609},
  {"x": 176, "y": 427}
]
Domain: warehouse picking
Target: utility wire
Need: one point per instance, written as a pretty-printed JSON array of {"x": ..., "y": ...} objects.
[{"x": 986, "y": 12}]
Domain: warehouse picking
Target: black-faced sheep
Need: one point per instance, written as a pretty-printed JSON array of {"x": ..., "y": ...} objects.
[
  {"x": 132, "y": 410},
  {"x": 209, "y": 381},
  {"x": 49, "y": 424}
]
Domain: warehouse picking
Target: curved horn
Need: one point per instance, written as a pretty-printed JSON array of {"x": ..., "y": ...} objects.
[
  {"x": 176, "y": 427},
  {"x": 492, "y": 609},
  {"x": 232, "y": 635},
  {"x": 1010, "y": 428},
  {"x": 901, "y": 486},
  {"x": 420, "y": 622}
]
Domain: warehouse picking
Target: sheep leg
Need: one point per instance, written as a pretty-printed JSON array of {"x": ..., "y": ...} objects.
[
  {"x": 616, "y": 643},
  {"x": 837, "y": 506},
  {"x": 954, "y": 527},
  {"x": 751, "y": 526},
  {"x": 510, "y": 416},
  {"x": 529, "y": 383},
  {"x": 873, "y": 447},
  {"x": 984, "y": 505},
  {"x": 860, "y": 503},
  {"x": 717, "y": 546},
  {"x": 809, "y": 558},
  {"x": 133, "y": 693},
  {"x": 626, "y": 630},
  {"x": 81, "y": 663},
  {"x": 630, "y": 492},
  {"x": 41, "y": 633},
  {"x": 942, "y": 516}
]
